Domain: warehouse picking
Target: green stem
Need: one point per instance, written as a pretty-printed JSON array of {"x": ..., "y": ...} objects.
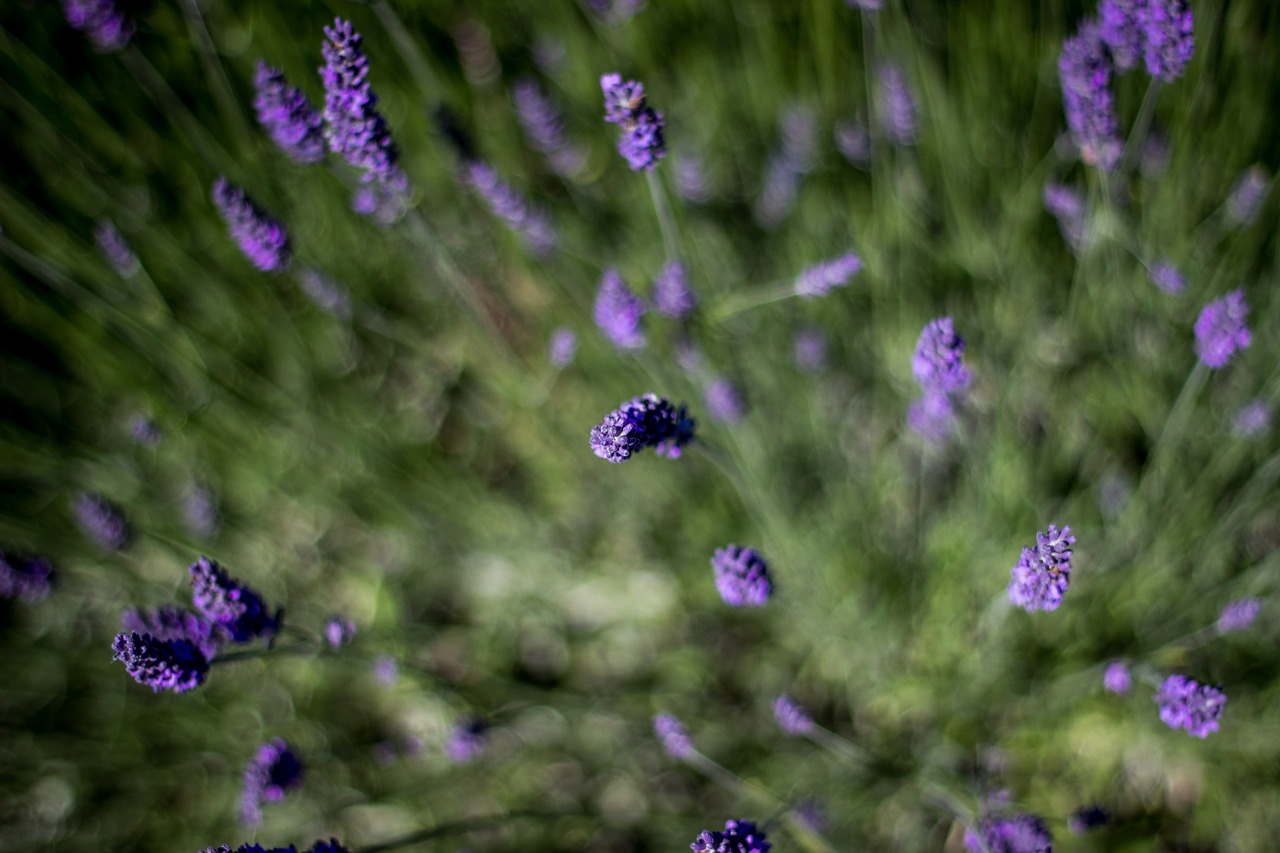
[
  {"x": 666, "y": 222},
  {"x": 1141, "y": 127},
  {"x": 228, "y": 104},
  {"x": 164, "y": 97},
  {"x": 460, "y": 826},
  {"x": 736, "y": 303},
  {"x": 408, "y": 50}
]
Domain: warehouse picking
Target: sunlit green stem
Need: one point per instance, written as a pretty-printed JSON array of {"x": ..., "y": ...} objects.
[
  {"x": 736, "y": 303},
  {"x": 666, "y": 221}
]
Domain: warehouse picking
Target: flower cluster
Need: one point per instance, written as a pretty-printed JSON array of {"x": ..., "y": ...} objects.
[
  {"x": 792, "y": 718},
  {"x": 645, "y": 421},
  {"x": 287, "y": 116},
  {"x": 1221, "y": 331},
  {"x": 338, "y": 632},
  {"x": 115, "y": 249},
  {"x": 1167, "y": 277},
  {"x": 176, "y": 665},
  {"x": 899, "y": 115},
  {"x": 102, "y": 521},
  {"x": 508, "y": 204},
  {"x": 105, "y": 26},
  {"x": 641, "y": 144},
  {"x": 1187, "y": 704},
  {"x": 1116, "y": 678},
  {"x": 25, "y": 578},
  {"x": 467, "y": 740},
  {"x": 1042, "y": 575},
  {"x": 544, "y": 127},
  {"x": 273, "y": 771},
  {"x": 1085, "y": 69},
  {"x": 939, "y": 369},
  {"x": 673, "y": 736},
  {"x": 1238, "y": 615},
  {"x": 821, "y": 279},
  {"x": 671, "y": 293},
  {"x": 330, "y": 846},
  {"x": 739, "y": 836},
  {"x": 742, "y": 576},
  {"x": 617, "y": 312},
  {"x": 786, "y": 166},
  {"x": 1158, "y": 32},
  {"x": 1020, "y": 833},
  {"x": 1067, "y": 206},
  {"x": 263, "y": 240},
  {"x": 230, "y": 604},
  {"x": 562, "y": 347},
  {"x": 1253, "y": 419}
]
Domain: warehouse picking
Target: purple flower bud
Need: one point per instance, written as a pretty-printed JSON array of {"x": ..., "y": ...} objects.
[
  {"x": 100, "y": 21},
  {"x": 101, "y": 521},
  {"x": 144, "y": 430},
  {"x": 1253, "y": 419},
  {"x": 287, "y": 116},
  {"x": 642, "y": 143},
  {"x": 1247, "y": 195},
  {"x": 509, "y": 205},
  {"x": 739, "y": 836},
  {"x": 176, "y": 665},
  {"x": 853, "y": 141},
  {"x": 671, "y": 294},
  {"x": 898, "y": 113},
  {"x": 1116, "y": 678},
  {"x": 544, "y": 127},
  {"x": 673, "y": 736},
  {"x": 809, "y": 350},
  {"x": 115, "y": 249},
  {"x": 821, "y": 279},
  {"x": 1238, "y": 615},
  {"x": 385, "y": 670},
  {"x": 723, "y": 401},
  {"x": 274, "y": 771},
  {"x": 563, "y": 347},
  {"x": 1042, "y": 575},
  {"x": 691, "y": 179},
  {"x": 1167, "y": 277},
  {"x": 937, "y": 364},
  {"x": 225, "y": 601},
  {"x": 1221, "y": 331},
  {"x": 777, "y": 193},
  {"x": 326, "y": 293},
  {"x": 1169, "y": 40},
  {"x": 1085, "y": 71},
  {"x": 200, "y": 510},
  {"x": 1020, "y": 833},
  {"x": 338, "y": 632},
  {"x": 792, "y": 718},
  {"x": 1187, "y": 704},
  {"x": 263, "y": 240},
  {"x": 26, "y": 578},
  {"x": 467, "y": 740},
  {"x": 645, "y": 421},
  {"x": 618, "y": 311},
  {"x": 1121, "y": 28},
  {"x": 932, "y": 417},
  {"x": 1067, "y": 206},
  {"x": 742, "y": 576},
  {"x": 176, "y": 623}
]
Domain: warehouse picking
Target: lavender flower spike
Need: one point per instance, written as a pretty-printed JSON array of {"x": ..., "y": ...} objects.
[
  {"x": 1170, "y": 42},
  {"x": 1122, "y": 31},
  {"x": 742, "y": 576},
  {"x": 512, "y": 208},
  {"x": 642, "y": 143},
  {"x": 671, "y": 294},
  {"x": 618, "y": 311},
  {"x": 1254, "y": 418},
  {"x": 739, "y": 836},
  {"x": 544, "y": 127},
  {"x": 1247, "y": 195},
  {"x": 114, "y": 249},
  {"x": 1067, "y": 206},
  {"x": 562, "y": 347},
  {"x": 175, "y": 665},
  {"x": 1042, "y": 575},
  {"x": 1085, "y": 71},
  {"x": 792, "y": 718},
  {"x": 898, "y": 113},
  {"x": 932, "y": 417},
  {"x": 287, "y": 116},
  {"x": 1239, "y": 615},
  {"x": 27, "y": 578},
  {"x": 937, "y": 364},
  {"x": 1116, "y": 678},
  {"x": 274, "y": 771},
  {"x": 175, "y": 623},
  {"x": 101, "y": 21},
  {"x": 467, "y": 740},
  {"x": 675, "y": 739},
  {"x": 1167, "y": 277},
  {"x": 821, "y": 279},
  {"x": 645, "y": 421},
  {"x": 226, "y": 602},
  {"x": 1221, "y": 331},
  {"x": 1020, "y": 833},
  {"x": 1187, "y": 704},
  {"x": 101, "y": 521},
  {"x": 338, "y": 632},
  {"x": 263, "y": 240}
]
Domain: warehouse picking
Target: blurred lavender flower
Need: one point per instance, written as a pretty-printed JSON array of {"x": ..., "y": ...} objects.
[
  {"x": 288, "y": 117},
  {"x": 866, "y": 5},
  {"x": 1247, "y": 195},
  {"x": 742, "y": 576},
  {"x": 1020, "y": 833},
  {"x": 467, "y": 740},
  {"x": 225, "y": 601},
  {"x": 739, "y": 836},
  {"x": 509, "y": 205},
  {"x": 544, "y": 127},
  {"x": 175, "y": 623},
  {"x": 1187, "y": 704},
  {"x": 618, "y": 311},
  {"x": 176, "y": 665},
  {"x": 617, "y": 12},
  {"x": 645, "y": 421},
  {"x": 671, "y": 294},
  {"x": 200, "y": 510},
  {"x": 563, "y": 347},
  {"x": 673, "y": 736},
  {"x": 1238, "y": 615},
  {"x": 691, "y": 179},
  {"x": 932, "y": 417},
  {"x": 1085, "y": 71},
  {"x": 795, "y": 157},
  {"x": 27, "y": 578},
  {"x": 642, "y": 143},
  {"x": 263, "y": 240},
  {"x": 105, "y": 26},
  {"x": 1067, "y": 206},
  {"x": 1221, "y": 331},
  {"x": 1116, "y": 678},
  {"x": 1169, "y": 40},
  {"x": 327, "y": 294},
  {"x": 1042, "y": 575},
  {"x": 799, "y": 131},
  {"x": 821, "y": 279},
  {"x": 723, "y": 401},
  {"x": 274, "y": 771},
  {"x": 355, "y": 129},
  {"x": 115, "y": 250},
  {"x": 144, "y": 430},
  {"x": 549, "y": 53},
  {"x": 1254, "y": 418},
  {"x": 937, "y": 364},
  {"x": 385, "y": 670},
  {"x": 1121, "y": 29},
  {"x": 853, "y": 141},
  {"x": 792, "y": 718},
  {"x": 1155, "y": 155},
  {"x": 899, "y": 115},
  {"x": 338, "y": 632},
  {"x": 101, "y": 521},
  {"x": 809, "y": 350},
  {"x": 1086, "y": 818},
  {"x": 1167, "y": 277},
  {"x": 810, "y": 815}
]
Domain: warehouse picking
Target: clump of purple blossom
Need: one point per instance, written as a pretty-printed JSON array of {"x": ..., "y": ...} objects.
[
  {"x": 105, "y": 26},
  {"x": 1116, "y": 678},
  {"x": 327, "y": 294},
  {"x": 1120, "y": 26},
  {"x": 1253, "y": 419},
  {"x": 467, "y": 740},
  {"x": 691, "y": 179},
  {"x": 1043, "y": 573},
  {"x": 1187, "y": 704},
  {"x": 1221, "y": 331},
  {"x": 939, "y": 369},
  {"x": 899, "y": 116},
  {"x": 739, "y": 836},
  {"x": 821, "y": 279},
  {"x": 642, "y": 143},
  {"x": 543, "y": 125},
  {"x": 1067, "y": 206},
  {"x": 1167, "y": 277},
  {"x": 742, "y": 576},
  {"x": 562, "y": 347},
  {"x": 274, "y": 771},
  {"x": 671, "y": 293},
  {"x": 176, "y": 623},
  {"x": 1085, "y": 70},
  {"x": 338, "y": 632},
  {"x": 1019, "y": 833},
  {"x": 230, "y": 604},
  {"x": 645, "y": 421},
  {"x": 932, "y": 417},
  {"x": 673, "y": 736},
  {"x": 787, "y": 166},
  {"x": 1247, "y": 195},
  {"x": 853, "y": 141},
  {"x": 145, "y": 431},
  {"x": 115, "y": 250},
  {"x": 1238, "y": 615},
  {"x": 509, "y": 204},
  {"x": 618, "y": 311},
  {"x": 1169, "y": 38},
  {"x": 263, "y": 240},
  {"x": 792, "y": 718},
  {"x": 723, "y": 401},
  {"x": 26, "y": 578},
  {"x": 175, "y": 665},
  {"x": 288, "y": 117},
  {"x": 101, "y": 521}
]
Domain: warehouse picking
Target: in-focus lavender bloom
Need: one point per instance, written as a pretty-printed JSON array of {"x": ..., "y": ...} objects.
[
  {"x": 326, "y": 293},
  {"x": 1167, "y": 277},
  {"x": 101, "y": 521},
  {"x": 544, "y": 127},
  {"x": 237, "y": 608},
  {"x": 274, "y": 771},
  {"x": 1020, "y": 833},
  {"x": 467, "y": 740},
  {"x": 1221, "y": 331},
  {"x": 673, "y": 736},
  {"x": 200, "y": 510},
  {"x": 809, "y": 350},
  {"x": 1116, "y": 678},
  {"x": 932, "y": 417},
  {"x": 723, "y": 401},
  {"x": 1247, "y": 195},
  {"x": 1254, "y": 418},
  {"x": 510, "y": 205},
  {"x": 691, "y": 179},
  {"x": 821, "y": 279},
  {"x": 671, "y": 294},
  {"x": 563, "y": 347},
  {"x": 642, "y": 143},
  {"x": 115, "y": 250},
  {"x": 144, "y": 430},
  {"x": 26, "y": 578},
  {"x": 618, "y": 311},
  {"x": 338, "y": 632},
  {"x": 739, "y": 836},
  {"x": 742, "y": 576},
  {"x": 1086, "y": 818},
  {"x": 1043, "y": 573},
  {"x": 1169, "y": 41},
  {"x": 938, "y": 364},
  {"x": 355, "y": 129},
  {"x": 176, "y": 665},
  {"x": 287, "y": 116},
  {"x": 645, "y": 421},
  {"x": 263, "y": 240},
  {"x": 105, "y": 26},
  {"x": 792, "y": 718},
  {"x": 175, "y": 623},
  {"x": 1121, "y": 28},
  {"x": 1187, "y": 704},
  {"x": 899, "y": 116},
  {"x": 853, "y": 141},
  {"x": 385, "y": 670},
  {"x": 1238, "y": 615},
  {"x": 1085, "y": 70},
  {"x": 1067, "y": 206}
]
